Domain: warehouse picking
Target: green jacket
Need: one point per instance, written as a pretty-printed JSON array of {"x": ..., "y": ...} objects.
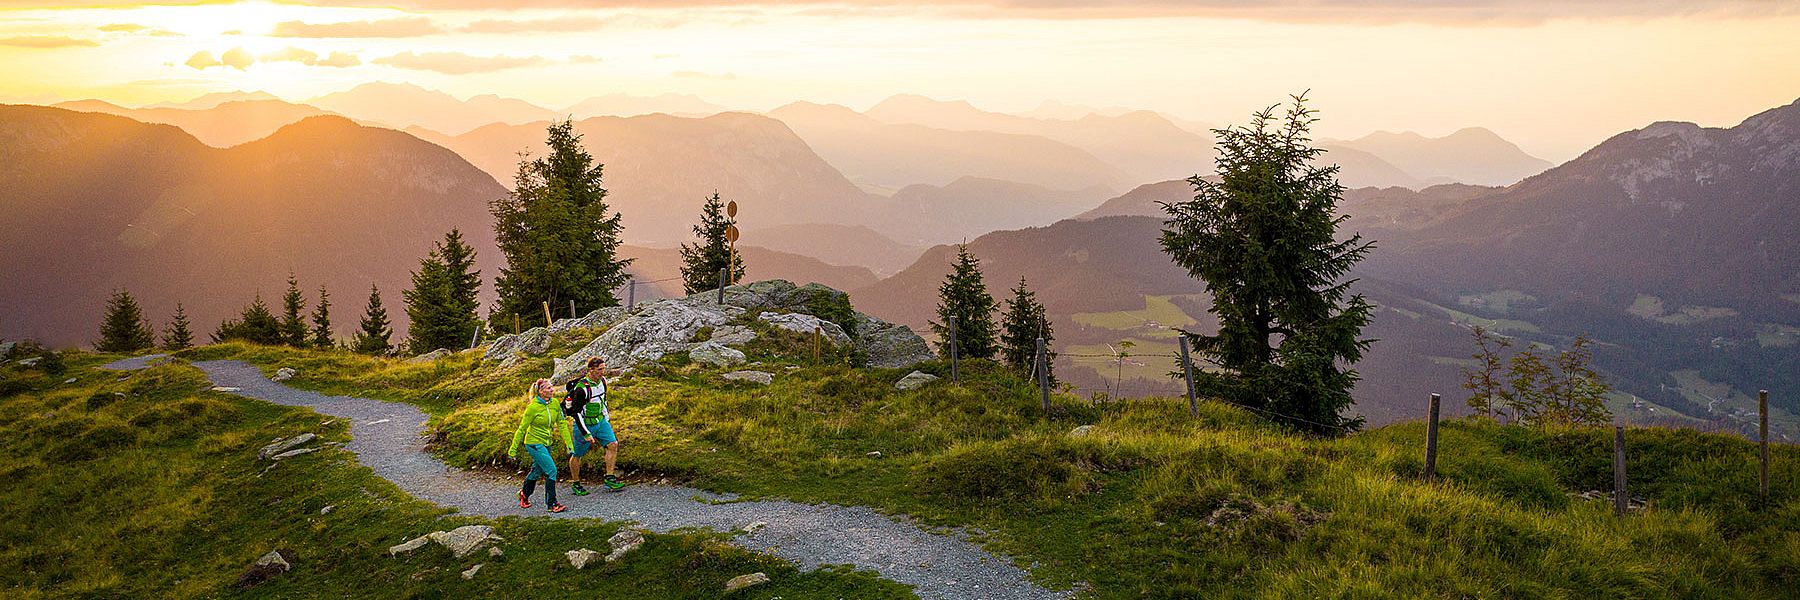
[{"x": 539, "y": 426}]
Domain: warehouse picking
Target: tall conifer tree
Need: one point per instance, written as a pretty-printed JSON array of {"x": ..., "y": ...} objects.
[
  {"x": 321, "y": 320},
  {"x": 179, "y": 335},
  {"x": 964, "y": 296},
  {"x": 1264, "y": 239},
  {"x": 702, "y": 260},
  {"x": 559, "y": 241},
  {"x": 375, "y": 334},
  {"x": 441, "y": 303},
  {"x": 124, "y": 328},
  {"x": 1022, "y": 324},
  {"x": 293, "y": 325}
]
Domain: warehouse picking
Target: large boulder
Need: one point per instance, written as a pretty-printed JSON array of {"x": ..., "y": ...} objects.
[
  {"x": 463, "y": 540},
  {"x": 777, "y": 295},
  {"x": 807, "y": 324},
  {"x": 650, "y": 331},
  {"x": 732, "y": 335},
  {"x": 716, "y": 355},
  {"x": 890, "y": 346}
]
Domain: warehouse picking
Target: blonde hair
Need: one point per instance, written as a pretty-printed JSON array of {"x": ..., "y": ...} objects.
[{"x": 535, "y": 385}]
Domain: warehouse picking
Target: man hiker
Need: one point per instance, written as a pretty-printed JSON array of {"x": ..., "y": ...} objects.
[
  {"x": 590, "y": 424},
  {"x": 537, "y": 430}
]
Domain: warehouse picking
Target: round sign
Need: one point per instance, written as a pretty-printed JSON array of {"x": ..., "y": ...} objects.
[
  {"x": 731, "y": 233},
  {"x": 731, "y": 208}
]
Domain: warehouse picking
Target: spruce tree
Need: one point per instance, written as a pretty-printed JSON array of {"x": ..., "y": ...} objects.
[
  {"x": 179, "y": 334},
  {"x": 441, "y": 303},
  {"x": 702, "y": 261},
  {"x": 123, "y": 328},
  {"x": 1264, "y": 239},
  {"x": 554, "y": 230},
  {"x": 964, "y": 296},
  {"x": 255, "y": 325},
  {"x": 321, "y": 320},
  {"x": 1023, "y": 322},
  {"x": 375, "y": 336},
  {"x": 293, "y": 325}
]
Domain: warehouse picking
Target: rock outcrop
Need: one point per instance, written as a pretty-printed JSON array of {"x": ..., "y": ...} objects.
[
  {"x": 914, "y": 380},
  {"x": 274, "y": 563}
]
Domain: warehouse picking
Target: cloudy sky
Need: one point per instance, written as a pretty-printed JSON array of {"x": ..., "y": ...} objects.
[{"x": 1554, "y": 76}]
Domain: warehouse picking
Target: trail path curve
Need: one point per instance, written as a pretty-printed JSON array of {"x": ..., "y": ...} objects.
[{"x": 389, "y": 437}]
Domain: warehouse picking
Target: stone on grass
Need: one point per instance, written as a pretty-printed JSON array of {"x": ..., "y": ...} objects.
[
  {"x": 758, "y": 377},
  {"x": 732, "y": 335},
  {"x": 327, "y": 510},
  {"x": 294, "y": 453},
  {"x": 431, "y": 356},
  {"x": 30, "y": 362},
  {"x": 914, "y": 380},
  {"x": 716, "y": 355},
  {"x": 581, "y": 557},
  {"x": 409, "y": 545},
  {"x": 744, "y": 581},
  {"x": 623, "y": 542},
  {"x": 221, "y": 388},
  {"x": 69, "y": 380},
  {"x": 274, "y": 563},
  {"x": 470, "y": 574},
  {"x": 890, "y": 346},
  {"x": 651, "y": 330},
  {"x": 283, "y": 445},
  {"x": 1081, "y": 431},
  {"x": 283, "y": 374},
  {"x": 807, "y": 324},
  {"x": 463, "y": 540},
  {"x": 494, "y": 551}
]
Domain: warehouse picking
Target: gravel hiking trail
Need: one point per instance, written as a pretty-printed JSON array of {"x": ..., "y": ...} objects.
[{"x": 389, "y": 438}]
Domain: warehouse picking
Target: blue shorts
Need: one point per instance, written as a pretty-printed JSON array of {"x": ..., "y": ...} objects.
[
  {"x": 603, "y": 435},
  {"x": 541, "y": 463}
]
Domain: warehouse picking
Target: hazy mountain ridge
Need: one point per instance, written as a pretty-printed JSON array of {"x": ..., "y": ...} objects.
[
  {"x": 221, "y": 125},
  {"x": 1472, "y": 155}
]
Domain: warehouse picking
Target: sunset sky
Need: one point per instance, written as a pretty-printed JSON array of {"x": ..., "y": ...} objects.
[{"x": 1556, "y": 77}]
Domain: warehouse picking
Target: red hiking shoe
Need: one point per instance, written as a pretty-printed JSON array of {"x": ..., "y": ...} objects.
[
  {"x": 558, "y": 507},
  {"x": 523, "y": 501}
]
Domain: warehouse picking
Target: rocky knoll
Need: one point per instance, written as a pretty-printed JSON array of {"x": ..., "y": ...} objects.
[{"x": 651, "y": 330}]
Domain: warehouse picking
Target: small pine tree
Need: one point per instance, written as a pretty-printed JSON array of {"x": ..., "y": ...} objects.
[
  {"x": 1022, "y": 324},
  {"x": 321, "y": 320},
  {"x": 375, "y": 336},
  {"x": 1484, "y": 381},
  {"x": 441, "y": 303},
  {"x": 124, "y": 329},
  {"x": 293, "y": 327},
  {"x": 256, "y": 325},
  {"x": 965, "y": 297},
  {"x": 179, "y": 334},
  {"x": 702, "y": 261}
]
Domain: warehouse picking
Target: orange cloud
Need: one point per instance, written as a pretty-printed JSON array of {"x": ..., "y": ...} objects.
[
  {"x": 535, "y": 25},
  {"x": 46, "y": 41},
  {"x": 389, "y": 28},
  {"x": 457, "y": 63}
]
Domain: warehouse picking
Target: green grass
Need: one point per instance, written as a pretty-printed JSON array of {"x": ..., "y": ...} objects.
[
  {"x": 1154, "y": 503},
  {"x": 1776, "y": 335},
  {"x": 1499, "y": 301},
  {"x": 148, "y": 486},
  {"x": 1159, "y": 310},
  {"x": 1495, "y": 325}
]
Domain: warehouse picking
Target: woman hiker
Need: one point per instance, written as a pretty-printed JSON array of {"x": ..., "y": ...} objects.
[
  {"x": 590, "y": 424},
  {"x": 537, "y": 430}
]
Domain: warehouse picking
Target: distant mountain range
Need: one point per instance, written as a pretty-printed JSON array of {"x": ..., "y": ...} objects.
[
  {"x": 227, "y": 123},
  {"x": 1473, "y": 155}
]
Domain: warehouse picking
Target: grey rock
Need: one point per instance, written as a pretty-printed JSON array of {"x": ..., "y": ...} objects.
[
  {"x": 327, "y": 510},
  {"x": 495, "y": 551},
  {"x": 744, "y": 581},
  {"x": 265, "y": 568},
  {"x": 775, "y": 295},
  {"x": 463, "y": 540},
  {"x": 874, "y": 454},
  {"x": 714, "y": 354},
  {"x": 6, "y": 348},
  {"x": 501, "y": 347},
  {"x": 293, "y": 453},
  {"x": 761, "y": 377},
  {"x": 624, "y": 542},
  {"x": 914, "y": 380},
  {"x": 535, "y": 341},
  {"x": 470, "y": 574},
  {"x": 226, "y": 389},
  {"x": 31, "y": 362},
  {"x": 1081, "y": 431},
  {"x": 754, "y": 526},
  {"x": 732, "y": 335},
  {"x": 283, "y": 445},
  {"x": 652, "y": 330},
  {"x": 283, "y": 374},
  {"x": 807, "y": 324},
  {"x": 69, "y": 380},
  {"x": 890, "y": 346},
  {"x": 580, "y": 558},
  {"x": 432, "y": 356},
  {"x": 409, "y": 545}
]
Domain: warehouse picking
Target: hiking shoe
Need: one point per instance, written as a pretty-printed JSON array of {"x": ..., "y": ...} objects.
[
  {"x": 613, "y": 484},
  {"x": 523, "y": 501},
  {"x": 580, "y": 490},
  {"x": 558, "y": 507}
]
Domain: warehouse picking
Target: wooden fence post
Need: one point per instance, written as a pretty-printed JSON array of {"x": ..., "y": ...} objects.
[
  {"x": 723, "y": 273},
  {"x": 630, "y": 293},
  {"x": 1431, "y": 427},
  {"x": 475, "y": 339},
  {"x": 571, "y": 308},
  {"x": 953, "y": 374},
  {"x": 516, "y": 323},
  {"x": 1187, "y": 369},
  {"x": 1620, "y": 499},
  {"x": 547, "y": 320},
  {"x": 1043, "y": 375},
  {"x": 1762, "y": 409}
]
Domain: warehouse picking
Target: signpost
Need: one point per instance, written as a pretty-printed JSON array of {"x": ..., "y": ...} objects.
[{"x": 731, "y": 238}]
